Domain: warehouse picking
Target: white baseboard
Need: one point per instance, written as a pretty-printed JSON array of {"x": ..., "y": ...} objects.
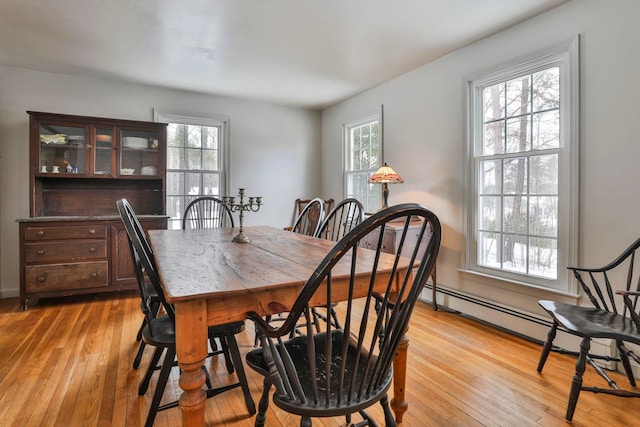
[{"x": 10, "y": 293}]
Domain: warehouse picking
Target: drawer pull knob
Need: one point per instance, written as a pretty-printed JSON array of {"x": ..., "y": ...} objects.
[
  {"x": 41, "y": 279},
  {"x": 93, "y": 275},
  {"x": 92, "y": 231},
  {"x": 40, "y": 252},
  {"x": 92, "y": 250},
  {"x": 41, "y": 233}
]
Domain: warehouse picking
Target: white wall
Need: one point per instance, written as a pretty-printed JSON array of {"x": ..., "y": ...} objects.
[
  {"x": 267, "y": 140},
  {"x": 424, "y": 140}
]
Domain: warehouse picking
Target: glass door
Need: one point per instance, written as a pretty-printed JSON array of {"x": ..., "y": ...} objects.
[{"x": 62, "y": 149}]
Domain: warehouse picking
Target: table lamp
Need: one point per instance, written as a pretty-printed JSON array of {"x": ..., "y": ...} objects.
[{"x": 385, "y": 175}]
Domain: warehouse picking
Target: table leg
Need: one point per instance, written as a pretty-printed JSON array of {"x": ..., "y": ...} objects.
[
  {"x": 398, "y": 404},
  {"x": 191, "y": 350}
]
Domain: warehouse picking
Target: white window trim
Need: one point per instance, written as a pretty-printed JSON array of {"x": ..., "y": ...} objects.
[
  {"x": 565, "y": 54},
  {"x": 346, "y": 126},
  {"x": 205, "y": 120}
]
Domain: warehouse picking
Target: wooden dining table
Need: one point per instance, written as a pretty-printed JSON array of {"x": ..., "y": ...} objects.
[{"x": 211, "y": 280}]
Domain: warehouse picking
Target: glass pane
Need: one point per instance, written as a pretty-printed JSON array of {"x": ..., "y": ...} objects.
[
  {"x": 546, "y": 89},
  {"x": 515, "y": 214},
  {"x": 493, "y": 141},
  {"x": 544, "y": 216},
  {"x": 60, "y": 147},
  {"x": 490, "y": 177},
  {"x": 514, "y": 253},
  {"x": 518, "y": 134},
  {"x": 174, "y": 207},
  {"x": 546, "y": 130},
  {"x": 194, "y": 136},
  {"x": 515, "y": 176},
  {"x": 518, "y": 96},
  {"x": 210, "y": 137},
  {"x": 193, "y": 159},
  {"x": 493, "y": 102},
  {"x": 176, "y": 135},
  {"x": 543, "y": 257},
  {"x": 544, "y": 174},
  {"x": 102, "y": 161},
  {"x": 211, "y": 184},
  {"x": 210, "y": 160},
  {"x": 489, "y": 249},
  {"x": 192, "y": 184},
  {"x": 175, "y": 183},
  {"x": 174, "y": 158},
  {"x": 490, "y": 213}
]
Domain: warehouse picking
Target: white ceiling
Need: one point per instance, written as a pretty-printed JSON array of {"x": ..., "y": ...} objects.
[{"x": 295, "y": 52}]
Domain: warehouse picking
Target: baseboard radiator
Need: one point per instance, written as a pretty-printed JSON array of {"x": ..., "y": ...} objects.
[{"x": 605, "y": 348}]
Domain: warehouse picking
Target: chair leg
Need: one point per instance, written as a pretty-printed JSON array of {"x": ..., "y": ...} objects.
[
  {"x": 160, "y": 386},
  {"x": 144, "y": 384},
  {"x": 136, "y": 361},
  {"x": 546, "y": 349},
  {"x": 263, "y": 404},
  {"x": 576, "y": 383},
  {"x": 389, "y": 420},
  {"x": 305, "y": 422},
  {"x": 242, "y": 378},
  {"x": 257, "y": 335},
  {"x": 624, "y": 358},
  {"x": 139, "y": 334},
  {"x": 224, "y": 343}
]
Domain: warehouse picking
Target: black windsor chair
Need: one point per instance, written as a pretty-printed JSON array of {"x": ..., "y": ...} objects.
[
  {"x": 206, "y": 212},
  {"x": 342, "y": 371},
  {"x": 159, "y": 330},
  {"x": 613, "y": 315}
]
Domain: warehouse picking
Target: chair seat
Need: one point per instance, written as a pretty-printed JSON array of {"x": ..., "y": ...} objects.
[
  {"x": 591, "y": 321},
  {"x": 160, "y": 332},
  {"x": 338, "y": 403},
  {"x": 227, "y": 329}
]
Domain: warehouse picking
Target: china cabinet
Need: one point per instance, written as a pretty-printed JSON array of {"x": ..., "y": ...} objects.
[{"x": 73, "y": 242}]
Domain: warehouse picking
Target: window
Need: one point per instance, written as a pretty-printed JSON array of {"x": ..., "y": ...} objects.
[
  {"x": 195, "y": 162},
  {"x": 363, "y": 156},
  {"x": 522, "y": 153}
]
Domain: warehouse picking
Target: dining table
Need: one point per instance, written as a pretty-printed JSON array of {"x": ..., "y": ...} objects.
[{"x": 211, "y": 280}]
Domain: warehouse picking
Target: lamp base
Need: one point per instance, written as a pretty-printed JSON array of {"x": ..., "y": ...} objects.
[{"x": 385, "y": 195}]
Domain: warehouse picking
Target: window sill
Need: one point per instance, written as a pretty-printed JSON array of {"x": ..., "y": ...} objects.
[{"x": 521, "y": 287}]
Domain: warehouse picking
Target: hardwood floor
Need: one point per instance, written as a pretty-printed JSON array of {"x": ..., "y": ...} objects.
[{"x": 67, "y": 362}]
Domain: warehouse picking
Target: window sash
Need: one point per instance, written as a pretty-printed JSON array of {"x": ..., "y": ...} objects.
[
  {"x": 363, "y": 156},
  {"x": 196, "y": 162},
  {"x": 480, "y": 233}
]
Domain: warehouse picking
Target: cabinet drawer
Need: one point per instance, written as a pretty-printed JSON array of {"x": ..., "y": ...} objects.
[
  {"x": 97, "y": 231},
  {"x": 65, "y": 251},
  {"x": 56, "y": 277},
  {"x": 370, "y": 241}
]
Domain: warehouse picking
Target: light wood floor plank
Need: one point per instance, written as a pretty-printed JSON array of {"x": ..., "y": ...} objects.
[{"x": 68, "y": 362}]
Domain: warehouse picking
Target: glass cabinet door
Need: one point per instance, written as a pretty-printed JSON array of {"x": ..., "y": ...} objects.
[
  {"x": 139, "y": 153},
  {"x": 62, "y": 149},
  {"x": 103, "y": 152}
]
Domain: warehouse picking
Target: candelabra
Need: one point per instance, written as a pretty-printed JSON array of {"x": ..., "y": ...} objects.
[{"x": 253, "y": 205}]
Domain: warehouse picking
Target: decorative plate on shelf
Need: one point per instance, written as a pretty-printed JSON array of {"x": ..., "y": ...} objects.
[{"x": 58, "y": 138}]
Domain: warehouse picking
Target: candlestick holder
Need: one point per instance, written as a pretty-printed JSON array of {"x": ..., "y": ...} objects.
[{"x": 253, "y": 205}]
